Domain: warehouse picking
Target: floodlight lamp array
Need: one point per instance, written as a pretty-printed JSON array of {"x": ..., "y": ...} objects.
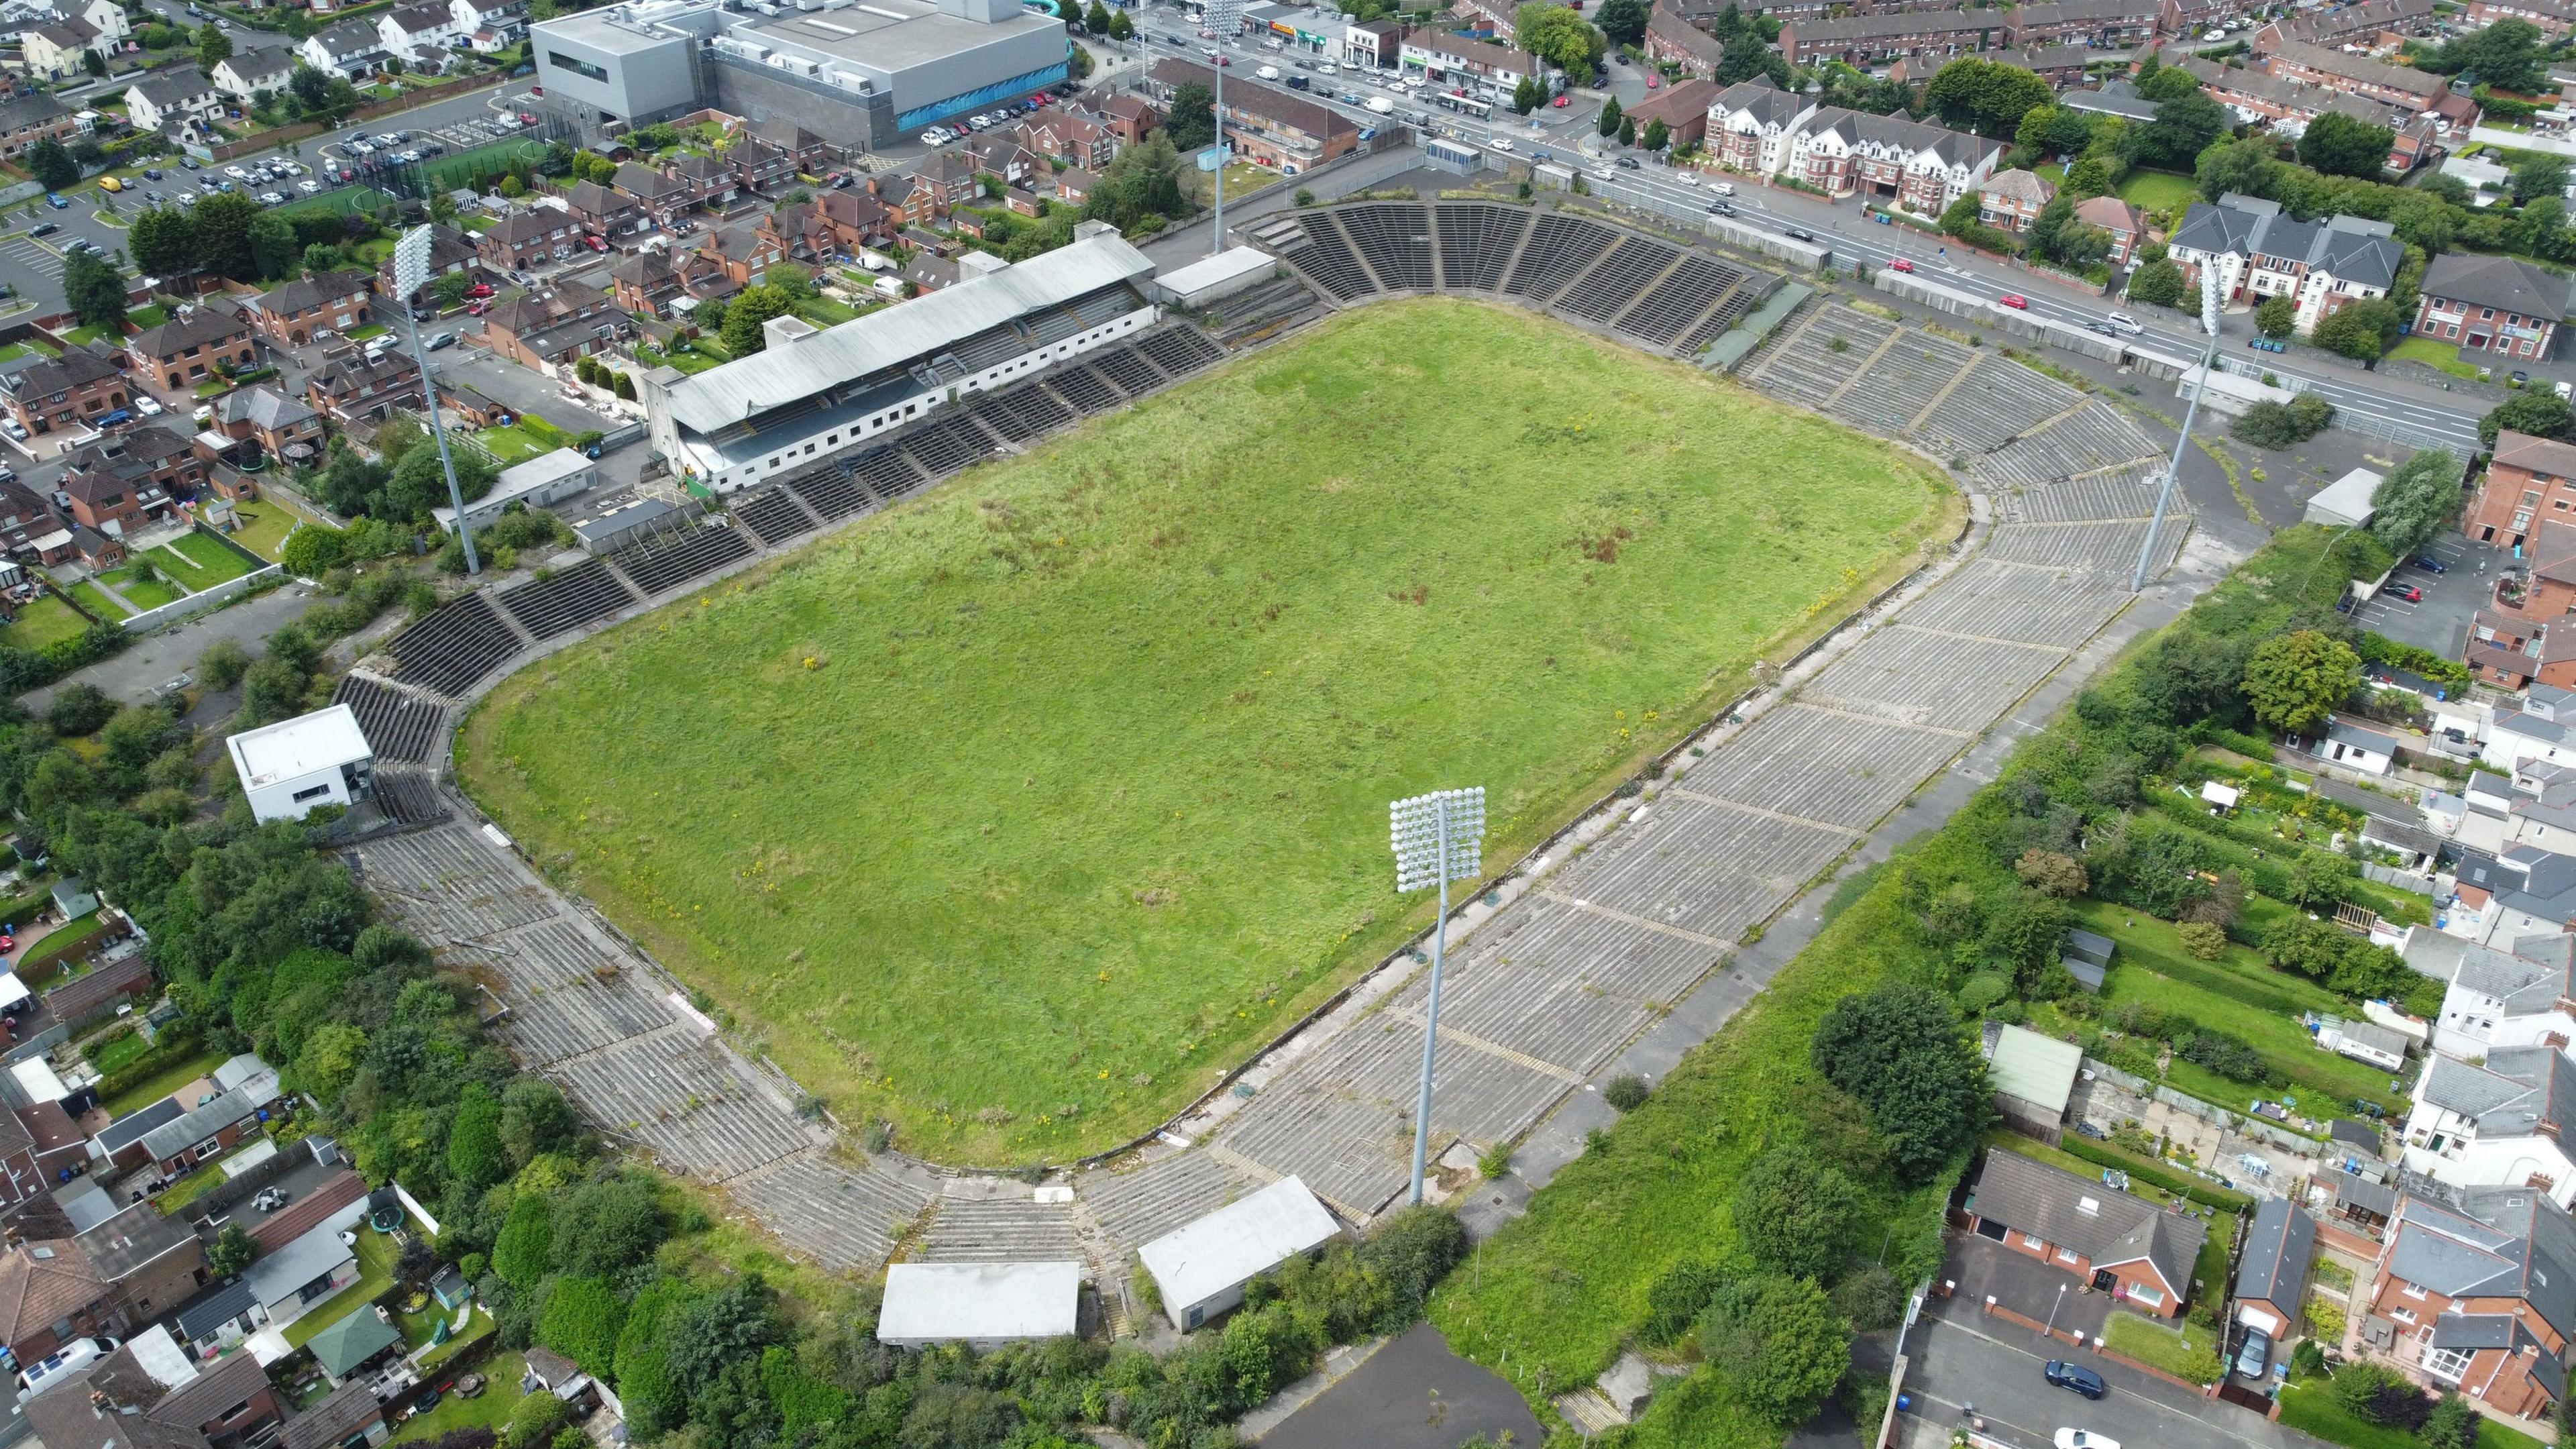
[{"x": 1415, "y": 831}]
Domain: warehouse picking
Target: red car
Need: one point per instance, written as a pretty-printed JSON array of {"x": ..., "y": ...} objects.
[
  {"x": 594, "y": 243},
  {"x": 479, "y": 289},
  {"x": 1560, "y": 103},
  {"x": 1654, "y": 81},
  {"x": 1899, "y": 264},
  {"x": 527, "y": 118},
  {"x": 478, "y": 309},
  {"x": 2015, "y": 300},
  {"x": 2408, "y": 592}
]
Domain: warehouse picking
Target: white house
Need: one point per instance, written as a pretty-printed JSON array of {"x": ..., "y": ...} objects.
[
  {"x": 2499, "y": 996},
  {"x": 350, "y": 48},
  {"x": 2518, "y": 892},
  {"x": 1201, "y": 1268},
  {"x": 504, "y": 20},
  {"x": 168, "y": 100},
  {"x": 243, "y": 75},
  {"x": 53, "y": 52},
  {"x": 2364, "y": 1042},
  {"x": 2366, "y": 751},
  {"x": 296, "y": 766},
  {"x": 983, "y": 1305},
  {"x": 2261, "y": 252},
  {"x": 2534, "y": 732},
  {"x": 1751, "y": 124},
  {"x": 107, "y": 18},
  {"x": 2496, "y": 1125},
  {"x": 410, "y": 27}
]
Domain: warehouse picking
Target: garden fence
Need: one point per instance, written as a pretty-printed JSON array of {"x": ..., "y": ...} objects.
[{"x": 206, "y": 600}]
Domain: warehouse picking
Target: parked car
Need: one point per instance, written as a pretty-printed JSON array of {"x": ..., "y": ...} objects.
[
  {"x": 2256, "y": 1354},
  {"x": 443, "y": 339},
  {"x": 237, "y": 173},
  {"x": 2266, "y": 344},
  {"x": 2409, "y": 592},
  {"x": 148, "y": 405},
  {"x": 309, "y": 187},
  {"x": 43, "y": 228},
  {"x": 58, "y": 203},
  {"x": 190, "y": 163},
  {"x": 479, "y": 290},
  {"x": 1900, "y": 264},
  {"x": 151, "y": 173},
  {"x": 271, "y": 198},
  {"x": 2519, "y": 379},
  {"x": 2014, "y": 300},
  {"x": 2076, "y": 1377},
  {"x": 2084, "y": 1439},
  {"x": 2430, "y": 564}
]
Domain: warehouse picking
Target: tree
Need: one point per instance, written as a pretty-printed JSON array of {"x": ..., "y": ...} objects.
[
  {"x": 534, "y": 1422},
  {"x": 524, "y": 1251},
  {"x": 2158, "y": 284},
  {"x": 1528, "y": 95},
  {"x": 1624, "y": 21},
  {"x": 275, "y": 251},
  {"x": 1627, "y": 130},
  {"x": 50, "y": 164},
  {"x": 581, "y": 1321},
  {"x": 223, "y": 235},
  {"x": 1986, "y": 96},
  {"x": 309, "y": 86},
  {"x": 2541, "y": 175},
  {"x": 2536, "y": 413},
  {"x": 2451, "y": 1425},
  {"x": 2360, "y": 331},
  {"x": 1657, "y": 135},
  {"x": 1193, "y": 117},
  {"x": 94, "y": 63},
  {"x": 2374, "y": 1392},
  {"x": 2415, "y": 501},
  {"x": 624, "y": 386},
  {"x": 607, "y": 1226},
  {"x": 1779, "y": 1343},
  {"x": 2505, "y": 55},
  {"x": 95, "y": 290},
  {"x": 2246, "y": 166},
  {"x": 1795, "y": 1213},
  {"x": 1120, "y": 27},
  {"x": 2295, "y": 680},
  {"x": 745, "y": 319},
  {"x": 2167, "y": 83},
  {"x": 2340, "y": 145},
  {"x": 163, "y": 242},
  {"x": 2051, "y": 873},
  {"x": 1610, "y": 116},
  {"x": 2182, "y": 129},
  {"x": 2277, "y": 316},
  {"x": 1561, "y": 37},
  {"x": 234, "y": 1250},
  {"x": 1897, "y": 1048},
  {"x": 213, "y": 45},
  {"x": 419, "y": 482},
  {"x": 475, "y": 1158}
]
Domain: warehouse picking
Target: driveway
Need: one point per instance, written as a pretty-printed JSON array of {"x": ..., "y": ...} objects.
[
  {"x": 2441, "y": 621},
  {"x": 1983, "y": 1268},
  {"x": 1412, "y": 1394},
  {"x": 519, "y": 388}
]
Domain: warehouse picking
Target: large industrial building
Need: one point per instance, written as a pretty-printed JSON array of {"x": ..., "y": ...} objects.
[
  {"x": 813, "y": 399},
  {"x": 867, "y": 72}
]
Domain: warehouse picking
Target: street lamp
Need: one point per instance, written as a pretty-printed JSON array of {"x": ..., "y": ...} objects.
[
  {"x": 411, "y": 273},
  {"x": 2173, "y": 466},
  {"x": 1438, "y": 838},
  {"x": 2051, "y": 1329}
]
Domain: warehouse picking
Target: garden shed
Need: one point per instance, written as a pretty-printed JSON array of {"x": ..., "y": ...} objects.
[
  {"x": 2087, "y": 957},
  {"x": 345, "y": 1347},
  {"x": 2033, "y": 1077}
]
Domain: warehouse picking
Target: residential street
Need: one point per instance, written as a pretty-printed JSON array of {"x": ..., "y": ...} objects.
[{"x": 1960, "y": 1356}]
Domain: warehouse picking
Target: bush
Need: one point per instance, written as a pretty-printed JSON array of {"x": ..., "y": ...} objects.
[
  {"x": 2381, "y": 1395},
  {"x": 1873, "y": 1299},
  {"x": 536, "y": 1421},
  {"x": 2203, "y": 941},
  {"x": 79, "y": 709},
  {"x": 1626, "y": 1092},
  {"x": 1676, "y": 1299},
  {"x": 223, "y": 663}
]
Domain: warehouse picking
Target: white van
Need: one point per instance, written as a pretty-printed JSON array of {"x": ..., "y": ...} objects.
[
  {"x": 2127, "y": 323},
  {"x": 1380, "y": 105},
  {"x": 61, "y": 1364},
  {"x": 1267, "y": 72}
]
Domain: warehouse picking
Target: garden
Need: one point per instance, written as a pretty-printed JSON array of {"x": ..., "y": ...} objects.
[
  {"x": 1169, "y": 873},
  {"x": 199, "y": 561},
  {"x": 47, "y": 620}
]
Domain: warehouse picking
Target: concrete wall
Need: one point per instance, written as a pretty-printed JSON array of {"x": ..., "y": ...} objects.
[
  {"x": 763, "y": 93},
  {"x": 201, "y": 602},
  {"x": 1770, "y": 244}
]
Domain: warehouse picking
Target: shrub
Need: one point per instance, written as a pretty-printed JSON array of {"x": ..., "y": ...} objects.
[
  {"x": 1795, "y": 1213},
  {"x": 2052, "y": 874},
  {"x": 1873, "y": 1299},
  {"x": 1626, "y": 1092},
  {"x": 2223, "y": 1054},
  {"x": 2381, "y": 1395},
  {"x": 1677, "y": 1297},
  {"x": 79, "y": 709},
  {"x": 2203, "y": 941},
  {"x": 536, "y": 1421},
  {"x": 223, "y": 663},
  {"x": 1496, "y": 1161},
  {"x": 1983, "y": 990}
]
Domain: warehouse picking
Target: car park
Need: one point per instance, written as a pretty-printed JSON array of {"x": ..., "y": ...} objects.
[
  {"x": 2430, "y": 564},
  {"x": 2077, "y": 1378}
]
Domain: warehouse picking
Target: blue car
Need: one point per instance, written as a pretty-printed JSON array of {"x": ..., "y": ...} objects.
[
  {"x": 116, "y": 419},
  {"x": 58, "y": 203}
]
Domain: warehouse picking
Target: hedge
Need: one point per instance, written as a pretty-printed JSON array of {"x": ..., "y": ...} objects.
[
  {"x": 172, "y": 1049},
  {"x": 2155, "y": 1174},
  {"x": 25, "y": 669}
]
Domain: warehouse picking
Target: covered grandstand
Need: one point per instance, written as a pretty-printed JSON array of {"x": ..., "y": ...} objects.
[{"x": 805, "y": 400}]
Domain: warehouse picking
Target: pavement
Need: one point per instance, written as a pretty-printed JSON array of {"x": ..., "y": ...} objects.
[
  {"x": 1411, "y": 1394},
  {"x": 1984, "y": 1269}
]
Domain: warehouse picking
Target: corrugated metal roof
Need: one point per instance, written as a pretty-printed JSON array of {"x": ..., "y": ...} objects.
[
  {"x": 737, "y": 391},
  {"x": 2037, "y": 1069}
]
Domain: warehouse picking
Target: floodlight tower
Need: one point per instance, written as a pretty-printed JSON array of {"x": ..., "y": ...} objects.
[
  {"x": 1225, "y": 17},
  {"x": 1439, "y": 837},
  {"x": 2173, "y": 466},
  {"x": 411, "y": 273}
]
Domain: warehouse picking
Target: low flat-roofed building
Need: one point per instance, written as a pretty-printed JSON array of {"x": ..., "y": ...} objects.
[
  {"x": 2345, "y": 503},
  {"x": 1201, "y": 1267},
  {"x": 1213, "y": 278},
  {"x": 983, "y": 1305},
  {"x": 542, "y": 480},
  {"x": 811, "y": 403},
  {"x": 296, "y": 766}
]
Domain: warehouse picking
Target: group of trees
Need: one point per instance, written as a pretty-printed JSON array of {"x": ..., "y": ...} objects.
[
  {"x": 403, "y": 487},
  {"x": 2283, "y": 425},
  {"x": 1104, "y": 22},
  {"x": 234, "y": 236}
]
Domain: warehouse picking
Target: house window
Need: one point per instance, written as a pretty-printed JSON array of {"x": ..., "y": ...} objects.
[{"x": 311, "y": 792}]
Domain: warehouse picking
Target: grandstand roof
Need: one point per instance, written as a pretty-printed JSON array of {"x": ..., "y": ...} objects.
[{"x": 742, "y": 390}]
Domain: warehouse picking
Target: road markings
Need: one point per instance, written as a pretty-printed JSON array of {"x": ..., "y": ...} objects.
[{"x": 2211, "y": 1424}]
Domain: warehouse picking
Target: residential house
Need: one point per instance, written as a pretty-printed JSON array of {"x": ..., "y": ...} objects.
[
  {"x": 929, "y": 271},
  {"x": 2527, "y": 479},
  {"x": 110, "y": 504},
  {"x": 2125, "y": 224},
  {"x": 2260, "y": 253},
  {"x": 150, "y": 1260},
  {"x": 310, "y": 307},
  {"x": 2106, "y": 23},
  {"x": 2496, "y": 1123},
  {"x": 1917, "y": 164},
  {"x": 50, "y": 1295},
  {"x": 2012, "y": 200},
  {"x": 1454, "y": 63},
  {"x": 350, "y": 1415},
  {"x": 1131, "y": 119},
  {"x": 2505, "y": 996},
  {"x": 703, "y": 181},
  {"x": 1863, "y": 39},
  {"x": 645, "y": 283},
  {"x": 2186, "y": 19},
  {"x": 531, "y": 236},
  {"x": 2516, "y": 652},
  {"x": 150, "y": 1394},
  {"x": 350, "y": 388},
  {"x": 2341, "y": 70},
  {"x": 348, "y": 48},
  {"x": 216, "y": 1320},
  {"x": 2354, "y": 747},
  {"x": 2552, "y": 16},
  {"x": 999, "y": 153},
  {"x": 409, "y": 29},
  {"x": 264, "y": 415},
  {"x": 1074, "y": 185},
  {"x": 567, "y": 321},
  {"x": 182, "y": 352},
  {"x": 502, "y": 20},
  {"x": 1078, "y": 140},
  {"x": 29, "y": 116},
  {"x": 744, "y": 252},
  {"x": 2478, "y": 1294},
  {"x": 2549, "y": 589},
  {"x": 100, "y": 553},
  {"x": 759, "y": 166},
  {"x": 2082, "y": 1227},
  {"x": 1672, "y": 40},
  {"x": 287, "y": 1282},
  {"x": 2371, "y": 25},
  {"x": 70, "y": 391},
  {"x": 167, "y": 101},
  {"x": 604, "y": 213},
  {"x": 1276, "y": 128},
  {"x": 2290, "y": 107},
  {"x": 2059, "y": 65},
  {"x": 242, "y": 76},
  {"x": 53, "y": 52},
  {"x": 2498, "y": 305},
  {"x": 1754, "y": 123},
  {"x": 108, "y": 18},
  {"x": 147, "y": 458},
  {"x": 809, "y": 153},
  {"x": 2272, "y": 1274},
  {"x": 450, "y": 250},
  {"x": 30, "y": 529},
  {"x": 2514, "y": 893},
  {"x": 1683, "y": 107}
]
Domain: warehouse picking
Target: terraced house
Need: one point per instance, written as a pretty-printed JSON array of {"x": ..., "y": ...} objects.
[
  {"x": 2372, "y": 25},
  {"x": 2476, "y": 1291},
  {"x": 1920, "y": 166},
  {"x": 567, "y": 321},
  {"x": 27, "y": 117},
  {"x": 530, "y": 236},
  {"x": 1754, "y": 122},
  {"x": 304, "y": 309},
  {"x": 183, "y": 352},
  {"x": 1275, "y": 127},
  {"x": 2261, "y": 252},
  {"x": 1863, "y": 39},
  {"x": 665, "y": 194},
  {"x": 2084, "y": 22},
  {"x": 2495, "y": 1123},
  {"x": 604, "y": 213},
  {"x": 74, "y": 390},
  {"x": 2262, "y": 97},
  {"x": 2339, "y": 70}
]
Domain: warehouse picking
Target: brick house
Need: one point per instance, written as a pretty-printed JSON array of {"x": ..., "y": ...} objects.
[
  {"x": 743, "y": 253},
  {"x": 1683, "y": 107},
  {"x": 1755, "y": 123},
  {"x": 2552, "y": 16},
  {"x": 270, "y": 418},
  {"x": 2259, "y": 96},
  {"x": 2497, "y": 305},
  {"x": 1075, "y": 139},
  {"x": 2185, "y": 19},
  {"x": 2260, "y": 252},
  {"x": 2106, "y": 23},
  {"x": 2476, "y": 1294},
  {"x": 112, "y": 505},
  {"x": 1131, "y": 118},
  {"x": 31, "y": 530},
  {"x": 50, "y": 1295},
  {"x": 2126, "y": 225},
  {"x": 2529, "y": 480},
  {"x": 1920, "y": 166},
  {"x": 568, "y": 321},
  {"x": 2272, "y": 1275},
  {"x": 644, "y": 283},
  {"x": 2136, "y": 1251},
  {"x": 758, "y": 165},
  {"x": 349, "y": 389},
  {"x": 603, "y": 212},
  {"x": 302, "y": 310},
  {"x": 450, "y": 250},
  {"x": 181, "y": 353},
  {"x": 151, "y": 1262},
  {"x": 999, "y": 153},
  {"x": 703, "y": 181},
  {"x": 147, "y": 458},
  {"x": 1672, "y": 40},
  {"x": 2339, "y": 70},
  {"x": 1861, "y": 39},
  {"x": 2012, "y": 200},
  {"x": 1276, "y": 128},
  {"x": 70, "y": 391},
  {"x": 804, "y": 150},
  {"x": 2373, "y": 25},
  {"x": 530, "y": 236},
  {"x": 27, "y": 117},
  {"x": 117, "y": 1403},
  {"x": 1074, "y": 185}
]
